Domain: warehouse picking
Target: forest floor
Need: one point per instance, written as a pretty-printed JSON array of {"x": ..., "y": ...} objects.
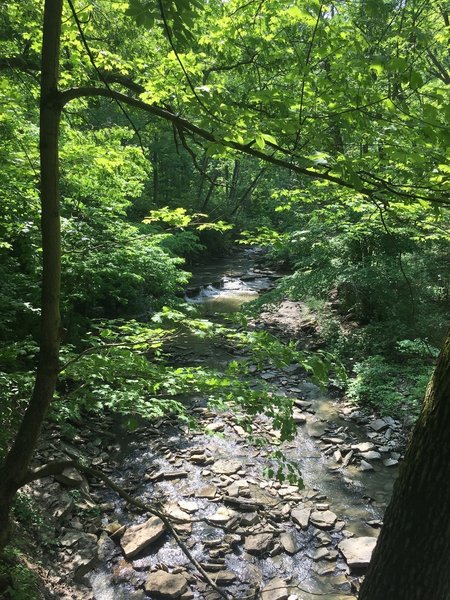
[{"x": 256, "y": 537}]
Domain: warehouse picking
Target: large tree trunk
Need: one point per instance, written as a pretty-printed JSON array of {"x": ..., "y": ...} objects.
[
  {"x": 16, "y": 464},
  {"x": 412, "y": 557}
]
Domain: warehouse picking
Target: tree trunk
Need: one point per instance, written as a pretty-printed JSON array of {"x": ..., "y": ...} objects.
[
  {"x": 412, "y": 556},
  {"x": 17, "y": 461}
]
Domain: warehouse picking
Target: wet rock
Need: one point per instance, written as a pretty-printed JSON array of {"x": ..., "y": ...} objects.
[
  {"x": 390, "y": 462},
  {"x": 137, "y": 537},
  {"x": 288, "y": 543},
  {"x": 337, "y": 455},
  {"x": 370, "y": 455},
  {"x": 365, "y": 466},
  {"x": 276, "y": 589},
  {"x": 224, "y": 578},
  {"x": 347, "y": 458},
  {"x": 85, "y": 556},
  {"x": 357, "y": 551},
  {"x": 166, "y": 585},
  {"x": 301, "y": 516},
  {"x": 323, "y": 519},
  {"x": 258, "y": 543},
  {"x": 226, "y": 467}
]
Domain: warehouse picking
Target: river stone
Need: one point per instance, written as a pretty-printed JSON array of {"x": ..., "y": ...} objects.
[
  {"x": 301, "y": 516},
  {"x": 363, "y": 447},
  {"x": 166, "y": 585},
  {"x": 188, "y": 506},
  {"x": 175, "y": 513},
  {"x": 221, "y": 516},
  {"x": 209, "y": 492},
  {"x": 378, "y": 425},
  {"x": 276, "y": 589},
  {"x": 137, "y": 537},
  {"x": 323, "y": 519},
  {"x": 224, "y": 577},
  {"x": 72, "y": 478},
  {"x": 258, "y": 543},
  {"x": 390, "y": 462},
  {"x": 357, "y": 551},
  {"x": 370, "y": 455},
  {"x": 365, "y": 466},
  {"x": 288, "y": 543},
  {"x": 226, "y": 467},
  {"x": 298, "y": 416}
]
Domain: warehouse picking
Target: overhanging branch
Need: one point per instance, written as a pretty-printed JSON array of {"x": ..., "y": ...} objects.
[{"x": 376, "y": 189}]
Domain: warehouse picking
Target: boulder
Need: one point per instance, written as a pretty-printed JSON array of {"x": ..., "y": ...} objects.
[
  {"x": 137, "y": 537},
  {"x": 357, "y": 551},
  {"x": 166, "y": 585}
]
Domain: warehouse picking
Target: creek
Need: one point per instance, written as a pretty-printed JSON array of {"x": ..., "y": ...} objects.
[{"x": 217, "y": 479}]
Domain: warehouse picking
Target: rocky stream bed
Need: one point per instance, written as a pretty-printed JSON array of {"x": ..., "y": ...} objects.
[{"x": 254, "y": 536}]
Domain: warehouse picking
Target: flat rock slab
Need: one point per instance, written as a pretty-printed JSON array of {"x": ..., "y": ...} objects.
[
  {"x": 208, "y": 491},
  {"x": 323, "y": 519},
  {"x": 166, "y": 585},
  {"x": 258, "y": 543},
  {"x": 301, "y": 516},
  {"x": 378, "y": 425},
  {"x": 137, "y": 537},
  {"x": 363, "y": 447},
  {"x": 276, "y": 589},
  {"x": 226, "y": 467},
  {"x": 221, "y": 516},
  {"x": 288, "y": 543},
  {"x": 357, "y": 551}
]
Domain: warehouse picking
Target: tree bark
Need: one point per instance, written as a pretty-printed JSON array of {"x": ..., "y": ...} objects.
[
  {"x": 17, "y": 461},
  {"x": 412, "y": 556}
]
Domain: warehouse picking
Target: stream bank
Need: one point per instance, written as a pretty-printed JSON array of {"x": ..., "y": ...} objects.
[{"x": 256, "y": 537}]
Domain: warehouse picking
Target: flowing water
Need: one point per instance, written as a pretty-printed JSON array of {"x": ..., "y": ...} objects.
[{"x": 357, "y": 497}]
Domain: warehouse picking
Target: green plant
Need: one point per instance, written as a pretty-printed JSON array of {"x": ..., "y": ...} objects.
[
  {"x": 20, "y": 582},
  {"x": 392, "y": 388}
]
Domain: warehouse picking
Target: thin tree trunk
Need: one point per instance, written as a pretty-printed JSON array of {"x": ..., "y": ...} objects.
[
  {"x": 411, "y": 559},
  {"x": 17, "y": 461},
  {"x": 212, "y": 187}
]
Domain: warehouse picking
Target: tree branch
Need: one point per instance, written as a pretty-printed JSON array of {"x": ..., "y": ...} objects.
[{"x": 182, "y": 123}]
